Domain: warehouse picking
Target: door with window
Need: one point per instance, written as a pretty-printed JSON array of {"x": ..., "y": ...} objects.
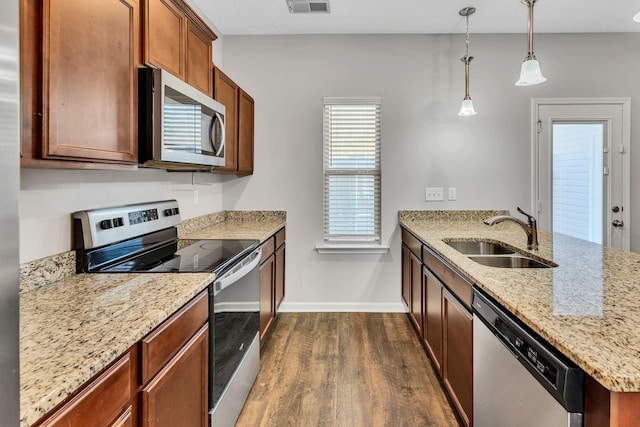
[{"x": 581, "y": 172}]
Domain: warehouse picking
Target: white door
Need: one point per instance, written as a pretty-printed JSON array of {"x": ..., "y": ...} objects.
[{"x": 581, "y": 168}]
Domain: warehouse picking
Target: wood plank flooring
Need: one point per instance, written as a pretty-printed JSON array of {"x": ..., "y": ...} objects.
[{"x": 345, "y": 369}]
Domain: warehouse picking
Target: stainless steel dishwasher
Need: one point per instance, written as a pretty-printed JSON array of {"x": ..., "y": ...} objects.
[{"x": 518, "y": 378}]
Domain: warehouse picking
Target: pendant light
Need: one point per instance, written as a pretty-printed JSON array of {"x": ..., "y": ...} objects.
[
  {"x": 466, "y": 109},
  {"x": 530, "y": 73}
]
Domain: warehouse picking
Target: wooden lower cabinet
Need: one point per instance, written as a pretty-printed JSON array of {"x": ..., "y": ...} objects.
[
  {"x": 279, "y": 276},
  {"x": 442, "y": 318},
  {"x": 272, "y": 279},
  {"x": 103, "y": 402},
  {"x": 416, "y": 292},
  {"x": 161, "y": 381},
  {"x": 432, "y": 332},
  {"x": 177, "y": 396},
  {"x": 406, "y": 276},
  {"x": 125, "y": 420},
  {"x": 457, "y": 366},
  {"x": 267, "y": 313}
]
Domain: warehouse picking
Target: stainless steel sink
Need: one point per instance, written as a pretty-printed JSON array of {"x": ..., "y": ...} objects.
[
  {"x": 496, "y": 254},
  {"x": 509, "y": 261},
  {"x": 479, "y": 247}
]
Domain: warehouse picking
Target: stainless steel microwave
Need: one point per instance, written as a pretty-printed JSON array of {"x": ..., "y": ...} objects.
[{"x": 179, "y": 127}]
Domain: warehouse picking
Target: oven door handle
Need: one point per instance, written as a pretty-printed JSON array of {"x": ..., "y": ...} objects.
[{"x": 237, "y": 273}]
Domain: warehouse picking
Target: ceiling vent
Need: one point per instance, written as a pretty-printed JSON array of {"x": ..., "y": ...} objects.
[{"x": 308, "y": 6}]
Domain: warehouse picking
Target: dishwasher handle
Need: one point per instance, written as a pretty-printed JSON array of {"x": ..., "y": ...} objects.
[{"x": 243, "y": 268}]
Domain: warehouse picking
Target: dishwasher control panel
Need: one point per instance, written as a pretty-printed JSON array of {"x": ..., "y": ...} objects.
[{"x": 561, "y": 377}]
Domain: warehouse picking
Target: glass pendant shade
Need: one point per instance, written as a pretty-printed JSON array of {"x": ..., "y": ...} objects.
[
  {"x": 466, "y": 109},
  {"x": 530, "y": 73}
]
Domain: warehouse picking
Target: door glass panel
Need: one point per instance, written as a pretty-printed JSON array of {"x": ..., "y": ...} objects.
[
  {"x": 187, "y": 124},
  {"x": 578, "y": 184}
]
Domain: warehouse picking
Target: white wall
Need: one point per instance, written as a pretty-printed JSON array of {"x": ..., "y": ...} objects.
[
  {"x": 48, "y": 197},
  {"x": 421, "y": 81}
]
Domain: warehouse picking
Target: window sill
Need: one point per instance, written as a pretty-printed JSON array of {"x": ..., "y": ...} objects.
[{"x": 352, "y": 248}]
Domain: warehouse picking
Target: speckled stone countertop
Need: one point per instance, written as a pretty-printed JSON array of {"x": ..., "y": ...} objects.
[
  {"x": 588, "y": 307},
  {"x": 73, "y": 325},
  {"x": 257, "y": 225}
]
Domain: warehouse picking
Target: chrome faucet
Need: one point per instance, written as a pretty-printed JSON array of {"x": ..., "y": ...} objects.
[{"x": 531, "y": 228}]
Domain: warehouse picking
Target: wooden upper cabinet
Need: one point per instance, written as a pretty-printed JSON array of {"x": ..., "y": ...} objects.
[
  {"x": 225, "y": 91},
  {"x": 245, "y": 133},
  {"x": 164, "y": 36},
  {"x": 199, "y": 59},
  {"x": 178, "y": 41},
  {"x": 90, "y": 55}
]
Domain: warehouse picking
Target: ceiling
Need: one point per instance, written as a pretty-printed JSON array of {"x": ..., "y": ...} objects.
[{"x": 236, "y": 17}]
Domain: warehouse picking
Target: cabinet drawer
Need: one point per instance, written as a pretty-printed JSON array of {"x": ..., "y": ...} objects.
[
  {"x": 268, "y": 248},
  {"x": 280, "y": 237},
  {"x": 458, "y": 285},
  {"x": 164, "y": 342},
  {"x": 412, "y": 243},
  {"x": 101, "y": 402}
]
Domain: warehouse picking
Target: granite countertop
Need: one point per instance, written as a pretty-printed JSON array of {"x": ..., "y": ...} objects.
[
  {"x": 258, "y": 225},
  {"x": 74, "y": 325},
  {"x": 73, "y": 328},
  {"x": 588, "y": 307}
]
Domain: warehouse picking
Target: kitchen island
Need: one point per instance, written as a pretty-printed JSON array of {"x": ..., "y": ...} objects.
[
  {"x": 72, "y": 326},
  {"x": 588, "y": 307}
]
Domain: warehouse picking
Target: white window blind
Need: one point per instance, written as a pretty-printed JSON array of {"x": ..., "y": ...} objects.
[{"x": 351, "y": 165}]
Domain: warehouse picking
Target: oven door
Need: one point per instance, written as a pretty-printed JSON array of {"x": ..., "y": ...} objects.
[{"x": 235, "y": 343}]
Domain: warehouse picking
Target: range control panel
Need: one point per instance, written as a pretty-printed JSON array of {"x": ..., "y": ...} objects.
[{"x": 101, "y": 227}]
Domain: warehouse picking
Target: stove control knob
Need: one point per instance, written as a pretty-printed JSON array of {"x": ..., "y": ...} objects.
[
  {"x": 118, "y": 222},
  {"x": 106, "y": 224}
]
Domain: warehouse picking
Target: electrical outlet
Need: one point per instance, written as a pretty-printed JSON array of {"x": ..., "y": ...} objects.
[
  {"x": 452, "y": 193},
  {"x": 434, "y": 194}
]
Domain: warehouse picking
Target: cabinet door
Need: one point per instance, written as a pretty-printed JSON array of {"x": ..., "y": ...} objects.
[
  {"x": 177, "y": 396},
  {"x": 245, "y": 133},
  {"x": 416, "y": 292},
  {"x": 226, "y": 92},
  {"x": 432, "y": 333},
  {"x": 279, "y": 276},
  {"x": 164, "y": 36},
  {"x": 458, "y": 355},
  {"x": 198, "y": 59},
  {"x": 101, "y": 402},
  {"x": 125, "y": 420},
  {"x": 406, "y": 276},
  {"x": 266, "y": 294},
  {"x": 90, "y": 57}
]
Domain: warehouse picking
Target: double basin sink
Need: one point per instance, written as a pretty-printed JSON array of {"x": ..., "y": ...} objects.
[{"x": 495, "y": 254}]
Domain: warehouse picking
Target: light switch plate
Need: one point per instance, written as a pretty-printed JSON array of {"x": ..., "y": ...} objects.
[{"x": 434, "y": 194}]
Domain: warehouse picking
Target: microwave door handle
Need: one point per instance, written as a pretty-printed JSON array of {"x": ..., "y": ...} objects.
[{"x": 217, "y": 116}]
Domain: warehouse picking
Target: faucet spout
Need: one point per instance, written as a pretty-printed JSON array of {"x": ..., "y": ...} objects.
[{"x": 530, "y": 227}]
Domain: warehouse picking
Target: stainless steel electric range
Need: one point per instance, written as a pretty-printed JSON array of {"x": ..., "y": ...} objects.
[{"x": 143, "y": 238}]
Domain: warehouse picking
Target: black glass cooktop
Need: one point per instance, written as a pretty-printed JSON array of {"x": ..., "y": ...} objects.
[{"x": 186, "y": 256}]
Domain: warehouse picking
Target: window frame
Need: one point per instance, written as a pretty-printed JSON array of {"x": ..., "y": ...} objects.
[{"x": 365, "y": 242}]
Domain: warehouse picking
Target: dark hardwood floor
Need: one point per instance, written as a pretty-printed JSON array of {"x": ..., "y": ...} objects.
[{"x": 345, "y": 369}]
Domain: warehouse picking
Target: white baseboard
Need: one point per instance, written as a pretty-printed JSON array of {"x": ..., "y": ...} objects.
[{"x": 345, "y": 307}]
